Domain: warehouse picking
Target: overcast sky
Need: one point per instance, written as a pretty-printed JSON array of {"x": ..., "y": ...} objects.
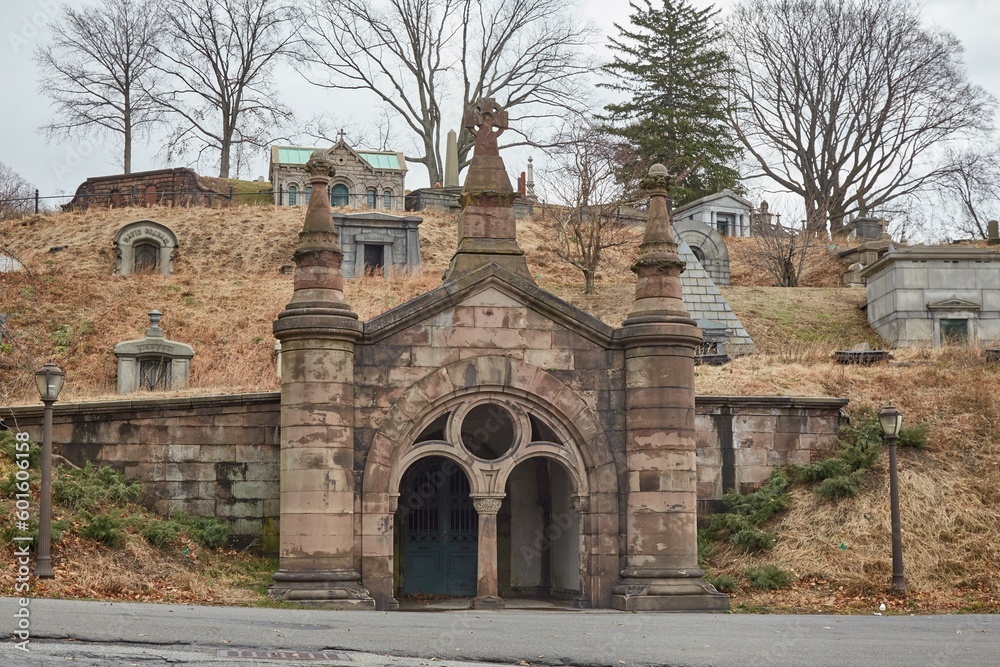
[{"x": 61, "y": 167}]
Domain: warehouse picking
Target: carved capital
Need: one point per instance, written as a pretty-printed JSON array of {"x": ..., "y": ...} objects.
[
  {"x": 320, "y": 165},
  {"x": 393, "y": 504},
  {"x": 657, "y": 181},
  {"x": 582, "y": 504},
  {"x": 487, "y": 505}
]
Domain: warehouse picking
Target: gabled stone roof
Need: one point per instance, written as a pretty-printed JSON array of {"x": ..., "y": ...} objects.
[
  {"x": 706, "y": 304},
  {"x": 453, "y": 292}
]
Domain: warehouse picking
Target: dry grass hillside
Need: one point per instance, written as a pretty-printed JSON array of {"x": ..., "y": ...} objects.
[{"x": 228, "y": 288}]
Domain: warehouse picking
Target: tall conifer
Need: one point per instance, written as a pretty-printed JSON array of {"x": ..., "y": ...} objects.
[{"x": 669, "y": 62}]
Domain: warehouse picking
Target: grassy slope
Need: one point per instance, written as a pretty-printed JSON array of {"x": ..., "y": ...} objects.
[{"x": 228, "y": 288}]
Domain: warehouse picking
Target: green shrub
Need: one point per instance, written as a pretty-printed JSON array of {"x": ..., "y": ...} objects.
[
  {"x": 9, "y": 448},
  {"x": 844, "y": 486},
  {"x": 162, "y": 533},
  {"x": 205, "y": 530},
  {"x": 913, "y": 436},
  {"x": 768, "y": 577},
  {"x": 752, "y": 539},
  {"x": 89, "y": 488},
  {"x": 724, "y": 583},
  {"x": 103, "y": 528}
]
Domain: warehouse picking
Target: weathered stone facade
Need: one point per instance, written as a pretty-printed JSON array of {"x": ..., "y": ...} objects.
[
  {"x": 925, "y": 296},
  {"x": 218, "y": 455},
  {"x": 490, "y": 390},
  {"x": 174, "y": 187},
  {"x": 378, "y": 242},
  {"x": 362, "y": 179}
]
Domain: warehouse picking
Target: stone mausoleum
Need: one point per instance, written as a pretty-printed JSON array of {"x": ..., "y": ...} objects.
[
  {"x": 487, "y": 439},
  {"x": 364, "y": 179},
  {"x": 928, "y": 296}
]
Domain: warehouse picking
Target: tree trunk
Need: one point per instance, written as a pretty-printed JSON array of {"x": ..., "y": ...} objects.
[
  {"x": 127, "y": 158},
  {"x": 588, "y": 277},
  {"x": 227, "y": 144}
]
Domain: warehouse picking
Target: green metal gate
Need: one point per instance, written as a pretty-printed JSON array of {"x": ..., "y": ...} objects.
[{"x": 439, "y": 531}]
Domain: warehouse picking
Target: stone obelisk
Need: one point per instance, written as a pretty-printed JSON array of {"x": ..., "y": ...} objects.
[
  {"x": 660, "y": 338},
  {"x": 451, "y": 161},
  {"x": 317, "y": 331},
  {"x": 487, "y": 230}
]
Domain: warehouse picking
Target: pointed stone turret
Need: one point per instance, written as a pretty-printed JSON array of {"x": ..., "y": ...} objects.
[
  {"x": 317, "y": 331},
  {"x": 660, "y": 338},
  {"x": 487, "y": 230}
]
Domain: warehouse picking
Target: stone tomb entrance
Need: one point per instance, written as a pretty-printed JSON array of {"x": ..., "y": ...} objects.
[{"x": 487, "y": 504}]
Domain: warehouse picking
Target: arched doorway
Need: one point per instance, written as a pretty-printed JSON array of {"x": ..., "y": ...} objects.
[
  {"x": 538, "y": 533},
  {"x": 437, "y": 531}
]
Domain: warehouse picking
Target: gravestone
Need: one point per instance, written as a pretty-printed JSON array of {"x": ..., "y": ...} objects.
[
  {"x": 153, "y": 363},
  {"x": 993, "y": 232}
]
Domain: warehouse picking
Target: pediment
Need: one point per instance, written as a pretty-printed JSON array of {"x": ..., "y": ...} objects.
[
  {"x": 954, "y": 304},
  {"x": 494, "y": 286}
]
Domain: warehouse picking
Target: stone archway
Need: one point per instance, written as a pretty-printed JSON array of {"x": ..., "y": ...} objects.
[
  {"x": 145, "y": 245},
  {"x": 708, "y": 246},
  {"x": 567, "y": 431}
]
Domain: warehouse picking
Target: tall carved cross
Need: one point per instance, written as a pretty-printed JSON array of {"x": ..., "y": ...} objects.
[{"x": 487, "y": 120}]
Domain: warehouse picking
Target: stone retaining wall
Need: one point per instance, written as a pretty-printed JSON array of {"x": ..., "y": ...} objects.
[{"x": 218, "y": 455}]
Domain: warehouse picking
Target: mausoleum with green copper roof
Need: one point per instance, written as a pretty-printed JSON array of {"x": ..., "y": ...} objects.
[{"x": 362, "y": 180}]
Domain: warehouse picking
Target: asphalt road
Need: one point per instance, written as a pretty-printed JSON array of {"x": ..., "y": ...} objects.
[{"x": 101, "y": 633}]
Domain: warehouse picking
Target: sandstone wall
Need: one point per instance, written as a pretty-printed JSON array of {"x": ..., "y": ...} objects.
[{"x": 218, "y": 455}]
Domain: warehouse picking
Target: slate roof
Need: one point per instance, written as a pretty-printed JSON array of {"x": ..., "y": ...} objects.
[{"x": 706, "y": 304}]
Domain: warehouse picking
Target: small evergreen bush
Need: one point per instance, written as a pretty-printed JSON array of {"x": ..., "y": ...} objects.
[
  {"x": 103, "y": 528},
  {"x": 768, "y": 577},
  {"x": 724, "y": 583}
]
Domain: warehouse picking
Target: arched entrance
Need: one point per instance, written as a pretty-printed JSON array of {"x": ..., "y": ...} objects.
[
  {"x": 499, "y": 413},
  {"x": 437, "y": 529},
  {"x": 538, "y": 533}
]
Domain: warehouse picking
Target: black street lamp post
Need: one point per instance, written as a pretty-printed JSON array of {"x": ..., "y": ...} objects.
[
  {"x": 50, "y": 381},
  {"x": 891, "y": 421}
]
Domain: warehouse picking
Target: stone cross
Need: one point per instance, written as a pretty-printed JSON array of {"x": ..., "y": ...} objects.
[{"x": 487, "y": 120}]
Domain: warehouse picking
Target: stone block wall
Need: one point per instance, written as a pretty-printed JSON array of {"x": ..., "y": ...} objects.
[
  {"x": 218, "y": 455},
  {"x": 205, "y": 455},
  {"x": 740, "y": 439},
  {"x": 176, "y": 187}
]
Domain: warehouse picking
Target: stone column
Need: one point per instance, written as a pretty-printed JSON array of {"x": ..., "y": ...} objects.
[
  {"x": 661, "y": 572},
  {"x": 487, "y": 586},
  {"x": 317, "y": 331},
  {"x": 451, "y": 160}
]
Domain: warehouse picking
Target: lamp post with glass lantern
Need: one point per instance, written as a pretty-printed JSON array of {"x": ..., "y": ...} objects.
[
  {"x": 50, "y": 381},
  {"x": 891, "y": 421}
]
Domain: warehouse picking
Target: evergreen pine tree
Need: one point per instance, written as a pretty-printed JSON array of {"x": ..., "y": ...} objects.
[{"x": 669, "y": 62}]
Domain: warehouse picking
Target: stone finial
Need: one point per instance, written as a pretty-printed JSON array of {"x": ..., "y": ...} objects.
[
  {"x": 487, "y": 226},
  {"x": 487, "y": 120},
  {"x": 154, "y": 330},
  {"x": 658, "y": 266},
  {"x": 319, "y": 283},
  {"x": 319, "y": 217}
]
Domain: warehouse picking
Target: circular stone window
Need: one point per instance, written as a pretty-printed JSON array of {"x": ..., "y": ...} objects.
[{"x": 488, "y": 431}]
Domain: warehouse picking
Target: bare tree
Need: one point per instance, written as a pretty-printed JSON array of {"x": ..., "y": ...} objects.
[
  {"x": 780, "y": 250},
  {"x": 217, "y": 58},
  {"x": 582, "y": 182},
  {"x": 16, "y": 194},
  {"x": 414, "y": 54},
  {"x": 99, "y": 71},
  {"x": 847, "y": 102},
  {"x": 970, "y": 191}
]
